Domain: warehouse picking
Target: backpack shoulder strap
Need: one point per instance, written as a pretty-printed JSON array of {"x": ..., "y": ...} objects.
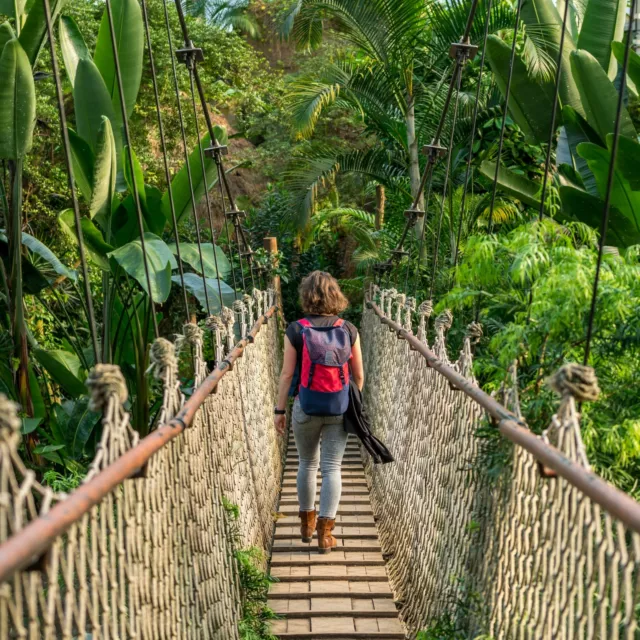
[
  {"x": 304, "y": 323},
  {"x": 338, "y": 323}
]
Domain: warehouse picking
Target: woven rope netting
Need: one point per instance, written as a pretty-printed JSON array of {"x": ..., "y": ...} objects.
[
  {"x": 517, "y": 556},
  {"x": 156, "y": 557}
]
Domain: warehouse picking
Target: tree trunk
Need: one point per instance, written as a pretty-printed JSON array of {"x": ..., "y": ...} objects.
[
  {"x": 381, "y": 198},
  {"x": 414, "y": 168},
  {"x": 412, "y": 144}
]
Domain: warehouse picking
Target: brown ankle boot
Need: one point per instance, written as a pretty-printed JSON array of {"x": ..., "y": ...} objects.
[
  {"x": 326, "y": 541},
  {"x": 307, "y": 524}
]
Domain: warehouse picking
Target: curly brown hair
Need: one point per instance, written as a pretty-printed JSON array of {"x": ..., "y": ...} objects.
[{"x": 320, "y": 295}]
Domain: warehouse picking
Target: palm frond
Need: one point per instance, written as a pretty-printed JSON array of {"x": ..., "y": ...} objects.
[
  {"x": 539, "y": 59},
  {"x": 320, "y": 169}
]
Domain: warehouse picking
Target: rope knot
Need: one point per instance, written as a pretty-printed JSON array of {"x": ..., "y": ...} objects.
[
  {"x": 247, "y": 299},
  {"x": 444, "y": 321},
  {"x": 103, "y": 382},
  {"x": 238, "y": 306},
  {"x": 576, "y": 380},
  {"x": 410, "y": 303},
  {"x": 10, "y": 422},
  {"x": 162, "y": 356},
  {"x": 401, "y": 299},
  {"x": 227, "y": 315},
  {"x": 192, "y": 333},
  {"x": 214, "y": 323},
  {"x": 474, "y": 332},
  {"x": 426, "y": 308}
]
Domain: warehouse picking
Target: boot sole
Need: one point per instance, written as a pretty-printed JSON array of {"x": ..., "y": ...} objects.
[
  {"x": 323, "y": 551},
  {"x": 307, "y": 539}
]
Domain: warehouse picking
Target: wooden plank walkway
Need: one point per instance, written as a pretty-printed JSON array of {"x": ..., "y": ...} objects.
[{"x": 342, "y": 595}]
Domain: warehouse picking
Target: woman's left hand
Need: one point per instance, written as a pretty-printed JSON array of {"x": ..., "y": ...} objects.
[{"x": 281, "y": 424}]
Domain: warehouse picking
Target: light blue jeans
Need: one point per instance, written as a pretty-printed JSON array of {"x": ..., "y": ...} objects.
[{"x": 319, "y": 439}]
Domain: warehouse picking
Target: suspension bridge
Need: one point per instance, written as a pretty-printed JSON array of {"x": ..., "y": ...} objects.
[{"x": 148, "y": 545}]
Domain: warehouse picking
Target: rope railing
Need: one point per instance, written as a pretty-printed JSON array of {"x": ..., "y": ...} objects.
[
  {"x": 145, "y": 547},
  {"x": 541, "y": 547}
]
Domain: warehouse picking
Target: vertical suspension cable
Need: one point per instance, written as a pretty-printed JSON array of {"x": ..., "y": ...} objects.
[
  {"x": 505, "y": 113},
  {"x": 474, "y": 126},
  {"x": 446, "y": 182},
  {"x": 607, "y": 200},
  {"x": 127, "y": 137},
  {"x": 206, "y": 185},
  {"x": 217, "y": 148},
  {"x": 185, "y": 149},
  {"x": 163, "y": 146},
  {"x": 72, "y": 186},
  {"x": 554, "y": 109},
  {"x": 226, "y": 225}
]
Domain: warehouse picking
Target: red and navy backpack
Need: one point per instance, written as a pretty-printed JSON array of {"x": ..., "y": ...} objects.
[{"x": 324, "y": 374}]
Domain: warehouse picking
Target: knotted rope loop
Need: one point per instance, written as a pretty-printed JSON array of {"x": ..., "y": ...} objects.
[
  {"x": 401, "y": 299},
  {"x": 10, "y": 422},
  {"x": 576, "y": 380},
  {"x": 474, "y": 332},
  {"x": 238, "y": 306},
  {"x": 444, "y": 321},
  {"x": 163, "y": 357},
  {"x": 426, "y": 308},
  {"x": 214, "y": 323},
  {"x": 257, "y": 298},
  {"x": 105, "y": 382}
]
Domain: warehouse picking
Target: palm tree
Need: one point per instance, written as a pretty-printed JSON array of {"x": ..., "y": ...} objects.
[
  {"x": 227, "y": 14},
  {"x": 395, "y": 82}
]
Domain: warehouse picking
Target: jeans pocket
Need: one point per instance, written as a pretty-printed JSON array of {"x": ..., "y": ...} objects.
[{"x": 299, "y": 415}]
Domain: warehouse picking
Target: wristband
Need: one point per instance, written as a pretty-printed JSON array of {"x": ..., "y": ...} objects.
[{"x": 280, "y": 412}]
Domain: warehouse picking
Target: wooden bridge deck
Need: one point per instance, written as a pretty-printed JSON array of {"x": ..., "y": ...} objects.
[{"x": 341, "y": 595}]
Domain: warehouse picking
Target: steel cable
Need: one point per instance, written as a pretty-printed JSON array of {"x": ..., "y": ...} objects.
[
  {"x": 163, "y": 146},
  {"x": 607, "y": 200},
  {"x": 72, "y": 186},
  {"x": 185, "y": 149}
]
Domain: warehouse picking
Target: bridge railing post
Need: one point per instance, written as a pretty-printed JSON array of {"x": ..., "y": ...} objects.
[{"x": 270, "y": 245}]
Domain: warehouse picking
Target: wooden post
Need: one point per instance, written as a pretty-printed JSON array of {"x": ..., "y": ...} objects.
[{"x": 270, "y": 245}]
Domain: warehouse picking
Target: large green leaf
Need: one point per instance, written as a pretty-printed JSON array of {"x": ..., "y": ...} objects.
[
  {"x": 623, "y": 197},
  {"x": 160, "y": 261},
  {"x": 34, "y": 31},
  {"x": 628, "y": 159},
  {"x": 633, "y": 68},
  {"x": 103, "y": 182},
  {"x": 155, "y": 215},
  {"x": 45, "y": 253},
  {"x": 513, "y": 184},
  {"x": 530, "y": 103},
  {"x": 180, "y": 183},
  {"x": 81, "y": 424},
  {"x": 602, "y": 24},
  {"x": 129, "y": 35},
  {"x": 582, "y": 206},
  {"x": 83, "y": 160},
  {"x": 73, "y": 46},
  {"x": 195, "y": 285},
  {"x": 599, "y": 96},
  {"x": 39, "y": 409},
  {"x": 94, "y": 243},
  {"x": 135, "y": 181},
  {"x": 92, "y": 102},
  {"x": 190, "y": 254},
  {"x": 545, "y": 24},
  {"x": 17, "y": 102},
  {"x": 6, "y": 33},
  {"x": 577, "y": 131},
  {"x": 65, "y": 369}
]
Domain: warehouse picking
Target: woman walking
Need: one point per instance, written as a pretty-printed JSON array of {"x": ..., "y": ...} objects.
[{"x": 324, "y": 351}]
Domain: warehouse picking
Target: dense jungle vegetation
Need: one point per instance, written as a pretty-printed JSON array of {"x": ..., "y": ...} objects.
[{"x": 326, "y": 105}]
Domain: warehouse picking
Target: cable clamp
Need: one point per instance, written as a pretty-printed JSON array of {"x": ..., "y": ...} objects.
[
  {"x": 413, "y": 214},
  {"x": 216, "y": 150},
  {"x": 461, "y": 52},
  {"x": 190, "y": 55},
  {"x": 398, "y": 254},
  {"x": 434, "y": 151},
  {"x": 236, "y": 215}
]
